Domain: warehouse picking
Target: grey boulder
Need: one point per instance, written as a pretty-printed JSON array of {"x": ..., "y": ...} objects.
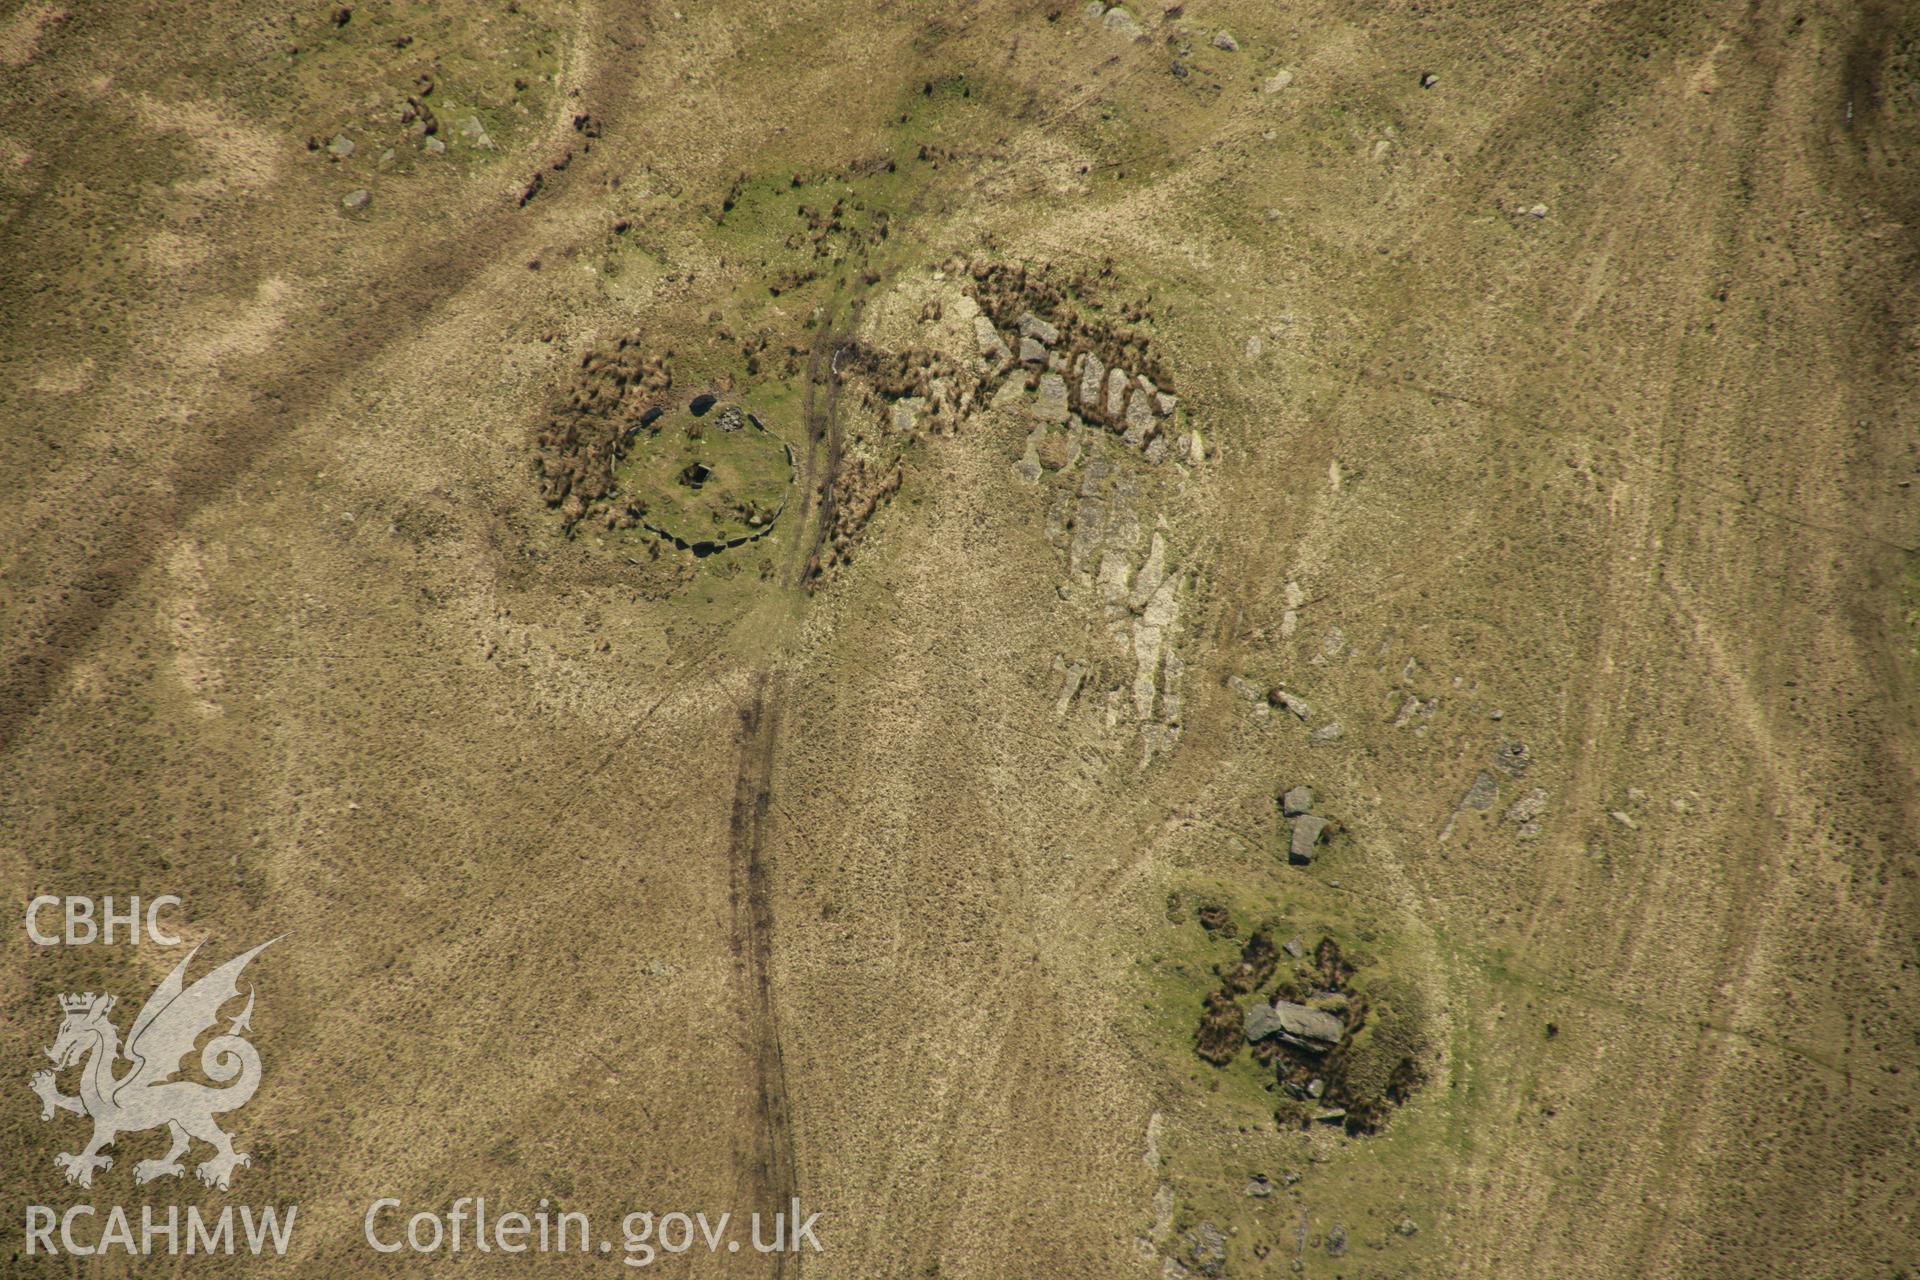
[
  {"x": 1308, "y": 831},
  {"x": 1295, "y": 1024}
]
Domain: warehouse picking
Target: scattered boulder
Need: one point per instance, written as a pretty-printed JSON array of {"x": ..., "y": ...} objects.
[
  {"x": 1031, "y": 352},
  {"x": 476, "y": 133},
  {"x": 1121, "y": 23},
  {"x": 1116, "y": 393},
  {"x": 1297, "y": 801},
  {"x": 1245, "y": 688},
  {"x": 1428, "y": 80},
  {"x": 1224, "y": 40},
  {"x": 1308, "y": 831},
  {"x": 434, "y": 147},
  {"x": 354, "y": 201},
  {"x": 1326, "y": 733},
  {"x": 1277, "y": 81},
  {"x": 341, "y": 147},
  {"x": 1406, "y": 1227},
  {"x": 1295, "y": 947},
  {"x": 1290, "y": 702},
  {"x": 1259, "y": 1187},
  {"x": 1336, "y": 1240}
]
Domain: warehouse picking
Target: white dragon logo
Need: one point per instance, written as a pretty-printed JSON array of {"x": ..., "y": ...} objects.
[{"x": 163, "y": 1035}]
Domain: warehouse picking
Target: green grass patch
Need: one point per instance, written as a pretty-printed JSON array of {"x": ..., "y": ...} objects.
[{"x": 716, "y": 476}]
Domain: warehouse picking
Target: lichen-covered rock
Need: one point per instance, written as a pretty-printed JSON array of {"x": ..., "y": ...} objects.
[
  {"x": 1140, "y": 419},
  {"x": 1092, "y": 375},
  {"x": 1051, "y": 404},
  {"x": 992, "y": 346},
  {"x": 1032, "y": 326}
]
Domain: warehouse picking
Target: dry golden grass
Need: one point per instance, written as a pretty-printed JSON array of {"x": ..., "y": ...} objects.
[{"x": 634, "y": 881}]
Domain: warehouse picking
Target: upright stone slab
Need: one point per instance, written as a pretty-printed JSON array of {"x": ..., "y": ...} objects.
[
  {"x": 1051, "y": 406},
  {"x": 1116, "y": 394},
  {"x": 1140, "y": 421},
  {"x": 1092, "y": 375}
]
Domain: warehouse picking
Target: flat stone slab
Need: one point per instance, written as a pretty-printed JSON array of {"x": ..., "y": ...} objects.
[{"x": 1296, "y": 1022}]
